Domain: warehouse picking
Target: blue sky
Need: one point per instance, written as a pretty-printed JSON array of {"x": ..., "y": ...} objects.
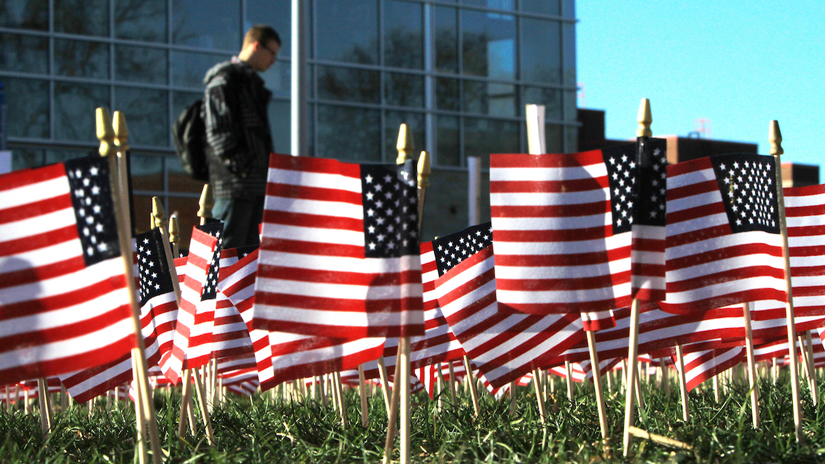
[{"x": 739, "y": 64}]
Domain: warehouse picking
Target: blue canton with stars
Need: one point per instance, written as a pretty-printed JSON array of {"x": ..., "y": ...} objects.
[
  {"x": 210, "y": 286},
  {"x": 153, "y": 270},
  {"x": 94, "y": 208},
  {"x": 455, "y": 248},
  {"x": 747, "y": 183},
  {"x": 631, "y": 168},
  {"x": 389, "y": 196}
]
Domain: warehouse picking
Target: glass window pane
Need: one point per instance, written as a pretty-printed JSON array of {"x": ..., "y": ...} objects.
[
  {"x": 147, "y": 173},
  {"x": 489, "y": 98},
  {"x": 550, "y": 98},
  {"x": 59, "y": 155},
  {"x": 141, "y": 20},
  {"x": 348, "y": 133},
  {"x": 448, "y": 141},
  {"x": 570, "y": 103},
  {"x": 143, "y": 208},
  {"x": 569, "y": 54},
  {"x": 87, "y": 17},
  {"x": 572, "y": 135},
  {"x": 279, "y": 126},
  {"x": 347, "y": 31},
  {"x": 446, "y": 40},
  {"x": 180, "y": 100},
  {"x": 485, "y": 136},
  {"x": 404, "y": 89},
  {"x": 277, "y": 79},
  {"x": 553, "y": 141},
  {"x": 213, "y": 24},
  {"x": 489, "y": 44},
  {"x": 188, "y": 69},
  {"x": 76, "y": 58},
  {"x": 26, "y": 14},
  {"x": 548, "y": 7},
  {"x": 493, "y": 4},
  {"x": 540, "y": 46},
  {"x": 446, "y": 94},
  {"x": 277, "y": 15},
  {"x": 392, "y": 122},
  {"x": 179, "y": 181},
  {"x": 25, "y": 158},
  {"x": 570, "y": 9},
  {"x": 186, "y": 210},
  {"x": 345, "y": 84},
  {"x": 28, "y": 101},
  {"x": 403, "y": 35},
  {"x": 24, "y": 53},
  {"x": 147, "y": 115},
  {"x": 139, "y": 64}
]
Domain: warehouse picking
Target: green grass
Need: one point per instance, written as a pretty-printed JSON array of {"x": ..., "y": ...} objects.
[{"x": 279, "y": 431}]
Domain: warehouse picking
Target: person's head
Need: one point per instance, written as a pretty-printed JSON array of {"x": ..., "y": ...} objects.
[{"x": 260, "y": 47}]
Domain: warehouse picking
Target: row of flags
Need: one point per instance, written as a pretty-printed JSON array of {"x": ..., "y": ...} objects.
[{"x": 341, "y": 273}]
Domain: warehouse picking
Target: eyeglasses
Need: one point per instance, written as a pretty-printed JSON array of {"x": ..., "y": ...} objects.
[{"x": 274, "y": 54}]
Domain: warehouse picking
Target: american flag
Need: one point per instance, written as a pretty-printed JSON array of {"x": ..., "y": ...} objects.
[
  {"x": 504, "y": 345},
  {"x": 704, "y": 365},
  {"x": 230, "y": 337},
  {"x": 64, "y": 299},
  {"x": 339, "y": 256},
  {"x": 158, "y": 313},
  {"x": 723, "y": 240},
  {"x": 192, "y": 345},
  {"x": 577, "y": 232}
]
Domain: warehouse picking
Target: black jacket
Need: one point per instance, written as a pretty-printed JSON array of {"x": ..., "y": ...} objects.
[{"x": 237, "y": 130}]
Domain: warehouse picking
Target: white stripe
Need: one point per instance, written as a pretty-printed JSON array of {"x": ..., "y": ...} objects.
[
  {"x": 316, "y": 235},
  {"x": 552, "y": 223},
  {"x": 338, "y": 291},
  {"x": 31, "y": 193},
  {"x": 314, "y": 179},
  {"x": 64, "y": 284},
  {"x": 724, "y": 242},
  {"x": 563, "y": 248},
  {"x": 693, "y": 201},
  {"x": 565, "y": 296},
  {"x": 326, "y": 353},
  {"x": 315, "y": 207},
  {"x": 792, "y": 200},
  {"x": 690, "y": 178},
  {"x": 340, "y": 264},
  {"x": 726, "y": 288},
  {"x": 549, "y": 199},
  {"x": 41, "y": 256},
  {"x": 530, "y": 174},
  {"x": 37, "y": 224},
  {"x": 528, "y": 273},
  {"x": 329, "y": 318}
]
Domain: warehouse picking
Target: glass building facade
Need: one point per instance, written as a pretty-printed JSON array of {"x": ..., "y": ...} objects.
[{"x": 458, "y": 72}]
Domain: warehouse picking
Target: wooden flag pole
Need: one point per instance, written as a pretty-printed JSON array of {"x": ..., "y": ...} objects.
[
  {"x": 645, "y": 119},
  {"x": 106, "y": 135},
  {"x": 513, "y": 385},
  {"x": 362, "y": 390},
  {"x": 468, "y": 369},
  {"x": 597, "y": 383},
  {"x": 540, "y": 399},
  {"x": 45, "y": 406},
  {"x": 205, "y": 203},
  {"x": 385, "y": 383},
  {"x": 569, "y": 370},
  {"x": 752, "y": 379},
  {"x": 775, "y": 139},
  {"x": 809, "y": 345},
  {"x": 140, "y": 429},
  {"x": 680, "y": 359}
]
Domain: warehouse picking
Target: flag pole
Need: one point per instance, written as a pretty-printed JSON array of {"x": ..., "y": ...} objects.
[
  {"x": 205, "y": 204},
  {"x": 108, "y": 143},
  {"x": 754, "y": 385},
  {"x": 45, "y": 406},
  {"x": 643, "y": 132},
  {"x": 680, "y": 359},
  {"x": 775, "y": 139},
  {"x": 362, "y": 390},
  {"x": 809, "y": 344}
]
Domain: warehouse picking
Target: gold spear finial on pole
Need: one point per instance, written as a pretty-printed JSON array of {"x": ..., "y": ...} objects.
[
  {"x": 644, "y": 119},
  {"x": 775, "y": 139},
  {"x": 404, "y": 145},
  {"x": 158, "y": 213},
  {"x": 206, "y": 202},
  {"x": 424, "y": 170},
  {"x": 121, "y": 135},
  {"x": 105, "y": 133}
]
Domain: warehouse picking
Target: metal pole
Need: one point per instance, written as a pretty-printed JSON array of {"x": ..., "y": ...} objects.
[{"x": 299, "y": 110}]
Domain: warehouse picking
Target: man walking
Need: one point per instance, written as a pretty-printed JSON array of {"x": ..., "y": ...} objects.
[{"x": 238, "y": 137}]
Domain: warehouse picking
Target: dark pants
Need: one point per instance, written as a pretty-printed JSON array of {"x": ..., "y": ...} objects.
[{"x": 241, "y": 218}]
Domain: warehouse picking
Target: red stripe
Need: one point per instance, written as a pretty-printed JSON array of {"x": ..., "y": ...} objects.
[
  {"x": 730, "y": 252},
  {"x": 688, "y": 166},
  {"x": 566, "y": 284},
  {"x": 25, "y": 177},
  {"x": 318, "y": 165},
  {"x": 312, "y": 220},
  {"x": 38, "y": 241},
  {"x": 585, "y": 158},
  {"x": 339, "y": 277},
  {"x": 79, "y": 296},
  {"x": 576, "y": 259},
  {"x": 312, "y": 248},
  {"x": 570, "y": 235},
  {"x": 647, "y": 270},
  {"x": 724, "y": 300},
  {"x": 35, "y": 209},
  {"x": 550, "y": 211},
  {"x": 700, "y": 211},
  {"x": 595, "y": 184},
  {"x": 303, "y": 192},
  {"x": 649, "y": 245},
  {"x": 563, "y": 308},
  {"x": 804, "y": 211},
  {"x": 806, "y": 231},
  {"x": 695, "y": 236},
  {"x": 690, "y": 190},
  {"x": 339, "y": 331},
  {"x": 42, "y": 273}
]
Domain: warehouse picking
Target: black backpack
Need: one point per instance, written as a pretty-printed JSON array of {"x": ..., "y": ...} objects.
[{"x": 189, "y": 133}]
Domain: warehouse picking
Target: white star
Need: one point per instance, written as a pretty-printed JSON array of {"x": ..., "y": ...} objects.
[{"x": 368, "y": 179}]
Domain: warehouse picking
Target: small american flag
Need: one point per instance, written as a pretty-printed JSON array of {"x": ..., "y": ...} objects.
[
  {"x": 64, "y": 299},
  {"x": 339, "y": 256},
  {"x": 723, "y": 240},
  {"x": 579, "y": 232},
  {"x": 704, "y": 365}
]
